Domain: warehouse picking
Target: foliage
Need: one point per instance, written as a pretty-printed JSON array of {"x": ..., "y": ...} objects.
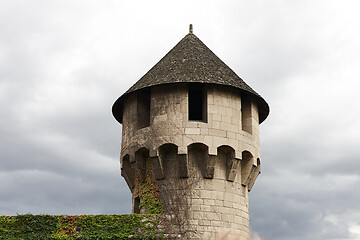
[
  {"x": 87, "y": 227},
  {"x": 149, "y": 192},
  {"x": 27, "y": 226}
]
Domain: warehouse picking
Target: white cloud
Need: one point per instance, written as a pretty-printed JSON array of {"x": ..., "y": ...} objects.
[
  {"x": 255, "y": 236},
  {"x": 355, "y": 231}
]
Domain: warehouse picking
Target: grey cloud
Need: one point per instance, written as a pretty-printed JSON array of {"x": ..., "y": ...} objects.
[
  {"x": 72, "y": 194},
  {"x": 63, "y": 64}
]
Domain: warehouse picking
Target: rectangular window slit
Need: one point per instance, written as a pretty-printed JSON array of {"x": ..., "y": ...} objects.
[
  {"x": 246, "y": 117},
  {"x": 197, "y": 102},
  {"x": 137, "y": 205},
  {"x": 143, "y": 108}
]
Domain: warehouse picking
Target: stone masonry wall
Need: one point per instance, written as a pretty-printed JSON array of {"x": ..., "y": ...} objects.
[
  {"x": 169, "y": 122},
  {"x": 211, "y": 166}
]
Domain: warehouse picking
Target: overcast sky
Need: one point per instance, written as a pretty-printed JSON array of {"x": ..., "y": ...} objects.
[{"x": 64, "y": 62}]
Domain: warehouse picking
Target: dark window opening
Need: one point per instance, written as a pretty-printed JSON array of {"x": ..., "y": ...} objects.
[
  {"x": 137, "y": 205},
  {"x": 143, "y": 109},
  {"x": 197, "y": 103},
  {"x": 246, "y": 118}
]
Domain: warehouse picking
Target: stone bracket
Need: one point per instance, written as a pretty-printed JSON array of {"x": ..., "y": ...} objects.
[
  {"x": 129, "y": 182},
  {"x": 232, "y": 168},
  {"x": 210, "y": 166},
  {"x": 158, "y": 167},
  {"x": 137, "y": 172},
  {"x": 140, "y": 165},
  {"x": 183, "y": 165},
  {"x": 127, "y": 171},
  {"x": 248, "y": 177},
  {"x": 246, "y": 170},
  {"x": 254, "y": 176}
]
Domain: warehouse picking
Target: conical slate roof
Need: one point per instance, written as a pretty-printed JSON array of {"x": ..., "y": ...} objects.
[{"x": 191, "y": 61}]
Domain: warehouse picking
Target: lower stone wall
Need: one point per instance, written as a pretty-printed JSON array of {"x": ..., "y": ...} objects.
[
  {"x": 221, "y": 206},
  {"x": 196, "y": 206}
]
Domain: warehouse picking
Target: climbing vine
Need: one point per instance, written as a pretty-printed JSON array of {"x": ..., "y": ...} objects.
[
  {"x": 149, "y": 192},
  {"x": 43, "y": 227},
  {"x": 27, "y": 226}
]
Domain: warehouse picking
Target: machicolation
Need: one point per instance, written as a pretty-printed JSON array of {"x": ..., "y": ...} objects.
[{"x": 191, "y": 126}]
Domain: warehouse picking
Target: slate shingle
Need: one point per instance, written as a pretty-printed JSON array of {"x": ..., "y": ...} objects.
[{"x": 191, "y": 61}]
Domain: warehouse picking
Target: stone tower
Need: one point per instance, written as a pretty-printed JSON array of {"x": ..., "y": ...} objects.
[{"x": 195, "y": 124}]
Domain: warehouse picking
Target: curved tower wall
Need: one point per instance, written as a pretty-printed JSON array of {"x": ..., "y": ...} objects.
[{"x": 209, "y": 165}]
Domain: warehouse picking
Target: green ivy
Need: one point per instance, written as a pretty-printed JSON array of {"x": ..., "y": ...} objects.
[
  {"x": 27, "y": 226},
  {"x": 149, "y": 192},
  {"x": 87, "y": 227}
]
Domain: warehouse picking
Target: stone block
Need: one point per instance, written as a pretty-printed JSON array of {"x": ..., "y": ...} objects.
[
  {"x": 204, "y": 131},
  {"x": 160, "y": 118},
  {"x": 228, "y": 197},
  {"x": 222, "y": 110},
  {"x": 228, "y": 204},
  {"x": 227, "y": 210},
  {"x": 236, "y": 113},
  {"x": 209, "y": 202},
  {"x": 225, "y": 101},
  {"x": 197, "y": 201},
  {"x": 198, "y": 215},
  {"x": 192, "y": 131},
  {"x": 187, "y": 140},
  {"x": 227, "y": 217},
  {"x": 203, "y": 222},
  {"x": 216, "y": 125},
  {"x": 219, "y": 202},
  {"x": 234, "y": 225},
  {"x": 229, "y": 112},
  {"x": 206, "y": 194},
  {"x": 210, "y": 99},
  {"x": 208, "y": 140},
  {"x": 227, "y": 126},
  {"x": 197, "y": 138},
  {"x": 184, "y": 108},
  {"x": 217, "y": 223},
  {"x": 230, "y": 134},
  {"x": 193, "y": 221},
  {"x": 205, "y": 208},
  {"x": 220, "y": 195},
  {"x": 195, "y": 208},
  {"x": 216, "y": 117},
  {"x": 226, "y": 119},
  {"x": 213, "y": 109},
  {"x": 219, "y": 141},
  {"x": 238, "y": 220},
  {"x": 217, "y": 132},
  {"x": 227, "y": 224},
  {"x": 210, "y": 215},
  {"x": 236, "y": 205}
]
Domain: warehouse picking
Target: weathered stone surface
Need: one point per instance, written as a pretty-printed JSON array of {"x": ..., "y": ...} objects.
[
  {"x": 219, "y": 195},
  {"x": 204, "y": 169}
]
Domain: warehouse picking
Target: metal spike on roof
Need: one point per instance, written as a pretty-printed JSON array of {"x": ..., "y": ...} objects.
[{"x": 191, "y": 28}]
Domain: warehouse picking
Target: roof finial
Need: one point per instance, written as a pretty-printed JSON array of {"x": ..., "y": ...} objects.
[{"x": 190, "y": 28}]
